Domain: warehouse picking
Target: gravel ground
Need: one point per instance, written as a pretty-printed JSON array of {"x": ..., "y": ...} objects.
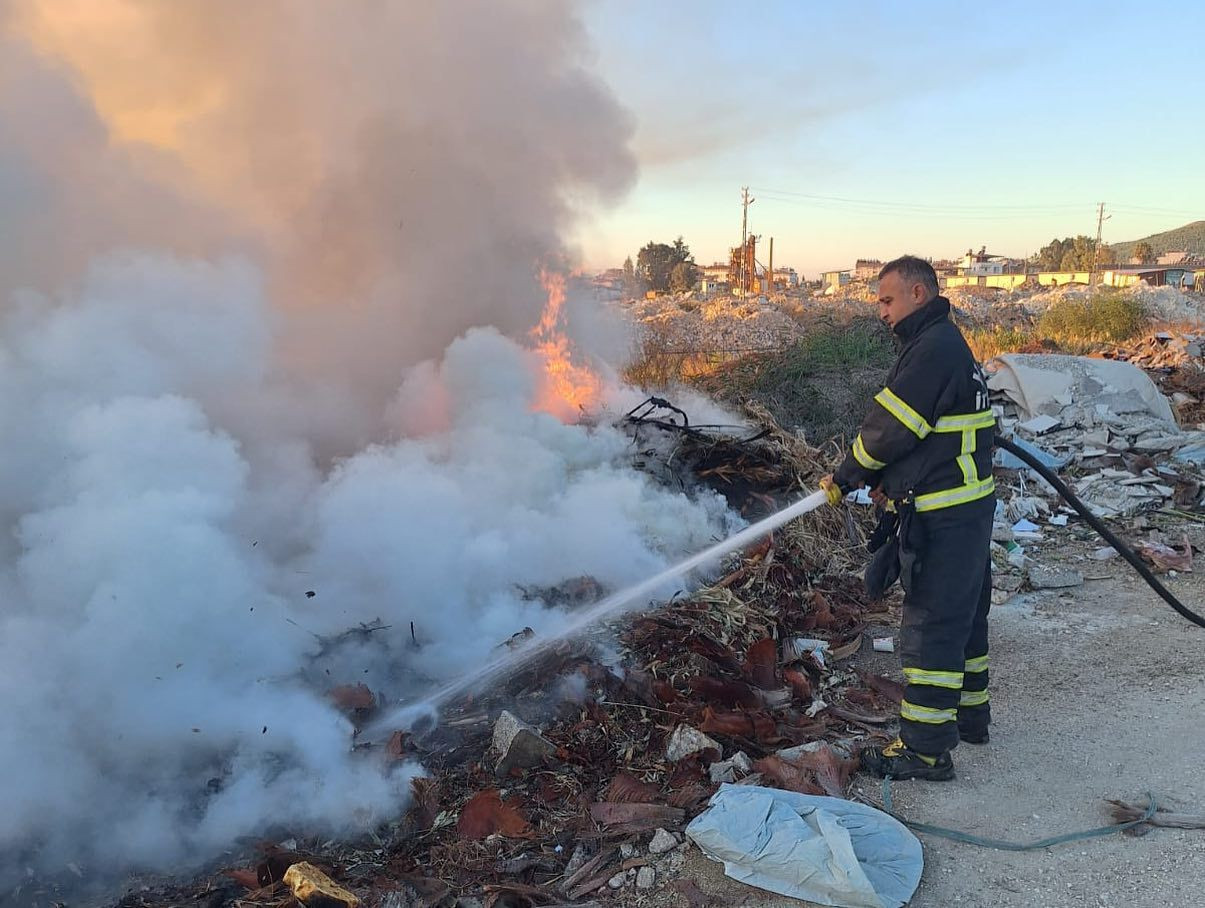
[{"x": 1098, "y": 692}]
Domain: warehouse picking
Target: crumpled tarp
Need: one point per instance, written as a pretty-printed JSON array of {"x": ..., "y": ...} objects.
[
  {"x": 824, "y": 850},
  {"x": 1044, "y": 383}
]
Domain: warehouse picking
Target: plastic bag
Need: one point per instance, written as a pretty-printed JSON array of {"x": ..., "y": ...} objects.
[{"x": 824, "y": 850}]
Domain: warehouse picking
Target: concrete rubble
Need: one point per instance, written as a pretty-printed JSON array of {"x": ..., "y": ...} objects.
[
  {"x": 1114, "y": 438},
  {"x": 686, "y": 741},
  {"x": 518, "y": 745},
  {"x": 1105, "y": 418},
  {"x": 686, "y": 322},
  {"x": 662, "y": 842},
  {"x": 732, "y": 769}
]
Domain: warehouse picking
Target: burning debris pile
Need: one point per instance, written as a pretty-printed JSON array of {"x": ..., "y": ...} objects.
[{"x": 574, "y": 778}]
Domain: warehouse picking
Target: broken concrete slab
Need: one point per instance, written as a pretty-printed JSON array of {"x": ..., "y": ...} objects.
[
  {"x": 1050, "y": 578},
  {"x": 518, "y": 745},
  {"x": 730, "y": 770},
  {"x": 1040, "y": 424},
  {"x": 686, "y": 741}
]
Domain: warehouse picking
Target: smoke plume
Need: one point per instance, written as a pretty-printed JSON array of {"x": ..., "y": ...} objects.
[{"x": 265, "y": 274}]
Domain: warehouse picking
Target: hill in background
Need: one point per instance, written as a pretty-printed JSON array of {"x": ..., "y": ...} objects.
[{"x": 1190, "y": 238}]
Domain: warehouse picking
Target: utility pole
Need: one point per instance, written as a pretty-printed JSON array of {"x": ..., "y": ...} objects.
[
  {"x": 1100, "y": 223},
  {"x": 745, "y": 203},
  {"x": 770, "y": 270}
]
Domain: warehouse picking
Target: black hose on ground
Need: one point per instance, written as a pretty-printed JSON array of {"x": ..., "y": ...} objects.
[{"x": 1095, "y": 522}]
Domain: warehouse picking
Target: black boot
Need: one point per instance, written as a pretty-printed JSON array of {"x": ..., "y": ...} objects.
[{"x": 898, "y": 761}]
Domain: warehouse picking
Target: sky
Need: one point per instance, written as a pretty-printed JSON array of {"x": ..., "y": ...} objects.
[{"x": 873, "y": 129}]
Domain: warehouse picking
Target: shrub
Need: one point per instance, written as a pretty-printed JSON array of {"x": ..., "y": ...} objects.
[{"x": 1104, "y": 317}]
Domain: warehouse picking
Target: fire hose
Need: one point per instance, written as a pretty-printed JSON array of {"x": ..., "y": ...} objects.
[{"x": 1097, "y": 524}]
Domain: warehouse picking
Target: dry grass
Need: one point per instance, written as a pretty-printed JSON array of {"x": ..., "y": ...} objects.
[
  {"x": 822, "y": 384},
  {"x": 1079, "y": 327}
]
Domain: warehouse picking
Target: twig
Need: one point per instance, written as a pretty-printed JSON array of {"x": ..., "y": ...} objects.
[
  {"x": 1127, "y": 811},
  {"x": 639, "y": 706}
]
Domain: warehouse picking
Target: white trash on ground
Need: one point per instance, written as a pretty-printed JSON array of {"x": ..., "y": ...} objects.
[{"x": 824, "y": 850}]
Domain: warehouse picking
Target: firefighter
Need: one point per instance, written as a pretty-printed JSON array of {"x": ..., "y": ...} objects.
[{"x": 925, "y": 449}]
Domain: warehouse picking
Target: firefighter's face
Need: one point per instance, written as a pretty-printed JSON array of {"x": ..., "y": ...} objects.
[{"x": 898, "y": 299}]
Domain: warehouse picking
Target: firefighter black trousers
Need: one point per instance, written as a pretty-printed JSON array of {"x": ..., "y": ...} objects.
[{"x": 943, "y": 634}]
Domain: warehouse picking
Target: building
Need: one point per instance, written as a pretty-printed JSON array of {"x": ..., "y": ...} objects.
[
  {"x": 1059, "y": 278},
  {"x": 867, "y": 269},
  {"x": 1002, "y": 281},
  {"x": 1181, "y": 276},
  {"x": 1174, "y": 258},
  {"x": 983, "y": 263},
  {"x": 833, "y": 281},
  {"x": 786, "y": 278}
]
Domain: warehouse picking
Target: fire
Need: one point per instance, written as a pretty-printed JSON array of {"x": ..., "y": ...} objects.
[{"x": 566, "y": 387}]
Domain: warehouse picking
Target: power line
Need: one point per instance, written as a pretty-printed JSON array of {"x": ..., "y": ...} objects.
[
  {"x": 920, "y": 213},
  {"x": 838, "y": 203},
  {"x": 921, "y": 206}
]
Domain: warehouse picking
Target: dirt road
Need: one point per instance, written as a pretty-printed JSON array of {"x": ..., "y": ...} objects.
[{"x": 1098, "y": 692}]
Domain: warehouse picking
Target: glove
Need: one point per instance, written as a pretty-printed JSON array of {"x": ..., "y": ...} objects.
[{"x": 833, "y": 492}]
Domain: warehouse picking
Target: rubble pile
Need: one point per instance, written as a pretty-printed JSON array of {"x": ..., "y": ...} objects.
[
  {"x": 572, "y": 781},
  {"x": 1174, "y": 361},
  {"x": 1113, "y": 435},
  {"x": 1166, "y": 304},
  {"x": 684, "y": 322}
]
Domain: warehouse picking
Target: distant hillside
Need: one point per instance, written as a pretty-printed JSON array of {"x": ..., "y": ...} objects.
[{"x": 1189, "y": 238}]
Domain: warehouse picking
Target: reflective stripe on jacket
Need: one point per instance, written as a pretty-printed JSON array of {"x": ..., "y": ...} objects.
[{"x": 928, "y": 434}]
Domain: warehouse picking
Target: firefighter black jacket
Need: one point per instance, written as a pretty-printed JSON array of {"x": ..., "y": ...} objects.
[{"x": 928, "y": 435}]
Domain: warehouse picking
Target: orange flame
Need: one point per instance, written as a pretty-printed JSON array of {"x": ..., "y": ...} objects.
[{"x": 567, "y": 388}]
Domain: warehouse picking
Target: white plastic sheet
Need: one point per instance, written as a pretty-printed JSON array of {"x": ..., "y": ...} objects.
[
  {"x": 825, "y": 850},
  {"x": 1044, "y": 383}
]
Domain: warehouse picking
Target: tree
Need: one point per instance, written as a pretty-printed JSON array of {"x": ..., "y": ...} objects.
[
  {"x": 1144, "y": 253},
  {"x": 1074, "y": 254},
  {"x": 656, "y": 261},
  {"x": 631, "y": 283},
  {"x": 684, "y": 277}
]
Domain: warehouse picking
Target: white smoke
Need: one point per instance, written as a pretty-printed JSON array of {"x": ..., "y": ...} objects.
[{"x": 266, "y": 262}]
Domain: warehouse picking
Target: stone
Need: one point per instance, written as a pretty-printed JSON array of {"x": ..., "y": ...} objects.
[
  {"x": 646, "y": 877},
  {"x": 1045, "y": 578},
  {"x": 626, "y": 850},
  {"x": 617, "y": 881},
  {"x": 518, "y": 745},
  {"x": 578, "y": 859},
  {"x": 663, "y": 841},
  {"x": 732, "y": 769},
  {"x": 686, "y": 741},
  {"x": 794, "y": 753}
]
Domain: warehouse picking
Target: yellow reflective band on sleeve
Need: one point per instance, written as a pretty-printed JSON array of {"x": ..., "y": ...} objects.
[
  {"x": 973, "y": 698},
  {"x": 925, "y": 714},
  {"x": 895, "y": 405},
  {"x": 973, "y": 491},
  {"x": 962, "y": 421},
  {"x": 934, "y": 679},
  {"x": 966, "y": 458},
  {"x": 863, "y": 457},
  {"x": 978, "y": 664}
]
